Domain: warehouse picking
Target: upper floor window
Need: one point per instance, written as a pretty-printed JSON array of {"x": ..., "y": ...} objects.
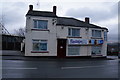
[
  {"x": 74, "y": 32},
  {"x": 40, "y": 24},
  {"x": 105, "y": 36},
  {"x": 96, "y": 33}
]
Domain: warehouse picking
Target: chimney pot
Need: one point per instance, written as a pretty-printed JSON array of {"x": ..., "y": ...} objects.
[
  {"x": 54, "y": 9},
  {"x": 31, "y": 7},
  {"x": 87, "y": 19}
]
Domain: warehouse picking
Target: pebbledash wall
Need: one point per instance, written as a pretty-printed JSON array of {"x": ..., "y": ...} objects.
[{"x": 50, "y": 35}]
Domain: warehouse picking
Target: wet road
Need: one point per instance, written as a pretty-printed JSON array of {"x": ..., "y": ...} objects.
[{"x": 60, "y": 68}]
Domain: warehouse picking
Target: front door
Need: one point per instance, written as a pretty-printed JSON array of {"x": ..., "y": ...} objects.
[{"x": 61, "y": 48}]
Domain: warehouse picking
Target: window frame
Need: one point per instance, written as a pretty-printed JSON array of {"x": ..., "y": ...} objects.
[
  {"x": 37, "y": 24},
  {"x": 39, "y": 42},
  {"x": 105, "y": 36},
  {"x": 94, "y": 33},
  {"x": 70, "y": 32},
  {"x": 95, "y": 48},
  {"x": 74, "y": 47}
]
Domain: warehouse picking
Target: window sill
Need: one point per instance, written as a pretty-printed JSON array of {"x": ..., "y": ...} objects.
[
  {"x": 96, "y": 37},
  {"x": 73, "y": 37},
  {"x": 40, "y": 29},
  {"x": 39, "y": 51}
]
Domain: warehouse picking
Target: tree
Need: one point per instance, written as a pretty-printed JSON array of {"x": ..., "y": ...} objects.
[{"x": 20, "y": 32}]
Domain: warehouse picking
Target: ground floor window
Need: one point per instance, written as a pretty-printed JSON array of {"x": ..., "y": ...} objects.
[
  {"x": 96, "y": 50},
  {"x": 73, "y": 50},
  {"x": 39, "y": 45}
]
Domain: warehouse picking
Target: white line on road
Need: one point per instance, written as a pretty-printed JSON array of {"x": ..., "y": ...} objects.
[
  {"x": 19, "y": 68},
  {"x": 81, "y": 67}
]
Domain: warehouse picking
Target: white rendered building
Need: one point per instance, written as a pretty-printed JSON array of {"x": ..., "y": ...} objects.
[{"x": 50, "y": 35}]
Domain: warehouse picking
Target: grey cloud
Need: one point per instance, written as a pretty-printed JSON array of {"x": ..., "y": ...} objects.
[
  {"x": 113, "y": 32},
  {"x": 95, "y": 14},
  {"x": 113, "y": 37},
  {"x": 15, "y": 15}
]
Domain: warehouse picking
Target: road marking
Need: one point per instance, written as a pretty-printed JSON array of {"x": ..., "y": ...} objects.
[
  {"x": 20, "y": 68},
  {"x": 81, "y": 67}
]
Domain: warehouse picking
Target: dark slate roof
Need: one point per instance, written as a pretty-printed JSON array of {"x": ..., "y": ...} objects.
[
  {"x": 75, "y": 22},
  {"x": 65, "y": 21},
  {"x": 41, "y": 13}
]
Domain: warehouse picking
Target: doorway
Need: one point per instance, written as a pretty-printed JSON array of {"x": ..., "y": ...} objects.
[{"x": 61, "y": 48}]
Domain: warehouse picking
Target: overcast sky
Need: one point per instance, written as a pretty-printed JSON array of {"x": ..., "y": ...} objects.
[{"x": 101, "y": 12}]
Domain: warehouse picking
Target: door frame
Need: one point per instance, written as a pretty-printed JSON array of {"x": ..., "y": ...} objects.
[{"x": 61, "y": 47}]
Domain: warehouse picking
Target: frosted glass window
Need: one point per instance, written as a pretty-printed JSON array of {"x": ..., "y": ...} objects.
[{"x": 73, "y": 50}]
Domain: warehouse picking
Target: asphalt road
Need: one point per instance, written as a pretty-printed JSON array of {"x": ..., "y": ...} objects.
[{"x": 58, "y": 68}]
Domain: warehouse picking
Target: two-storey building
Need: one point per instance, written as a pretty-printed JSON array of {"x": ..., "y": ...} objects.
[{"x": 50, "y": 35}]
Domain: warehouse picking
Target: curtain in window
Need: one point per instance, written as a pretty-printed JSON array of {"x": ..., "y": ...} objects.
[{"x": 36, "y": 46}]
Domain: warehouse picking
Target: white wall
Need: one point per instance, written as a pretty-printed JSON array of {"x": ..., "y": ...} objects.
[
  {"x": 62, "y": 32},
  {"x": 52, "y": 35}
]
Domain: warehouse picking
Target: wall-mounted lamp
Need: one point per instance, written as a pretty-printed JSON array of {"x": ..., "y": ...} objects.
[{"x": 54, "y": 21}]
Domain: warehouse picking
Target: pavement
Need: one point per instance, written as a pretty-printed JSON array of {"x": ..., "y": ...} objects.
[
  {"x": 15, "y": 65},
  {"x": 18, "y": 55}
]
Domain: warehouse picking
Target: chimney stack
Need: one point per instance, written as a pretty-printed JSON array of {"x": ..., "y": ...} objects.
[
  {"x": 54, "y": 9},
  {"x": 87, "y": 20},
  {"x": 30, "y": 7}
]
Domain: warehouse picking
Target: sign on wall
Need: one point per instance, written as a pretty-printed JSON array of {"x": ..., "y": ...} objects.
[
  {"x": 93, "y": 41},
  {"x": 77, "y": 41},
  {"x": 84, "y": 41}
]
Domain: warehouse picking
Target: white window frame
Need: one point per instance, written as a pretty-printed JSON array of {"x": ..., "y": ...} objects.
[
  {"x": 39, "y": 41},
  {"x": 71, "y": 34},
  {"x": 93, "y": 33},
  {"x": 37, "y": 24},
  {"x": 105, "y": 36},
  {"x": 73, "y": 55}
]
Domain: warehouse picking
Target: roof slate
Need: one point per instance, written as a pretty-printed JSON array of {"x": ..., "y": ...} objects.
[
  {"x": 41, "y": 13},
  {"x": 75, "y": 22},
  {"x": 65, "y": 21}
]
